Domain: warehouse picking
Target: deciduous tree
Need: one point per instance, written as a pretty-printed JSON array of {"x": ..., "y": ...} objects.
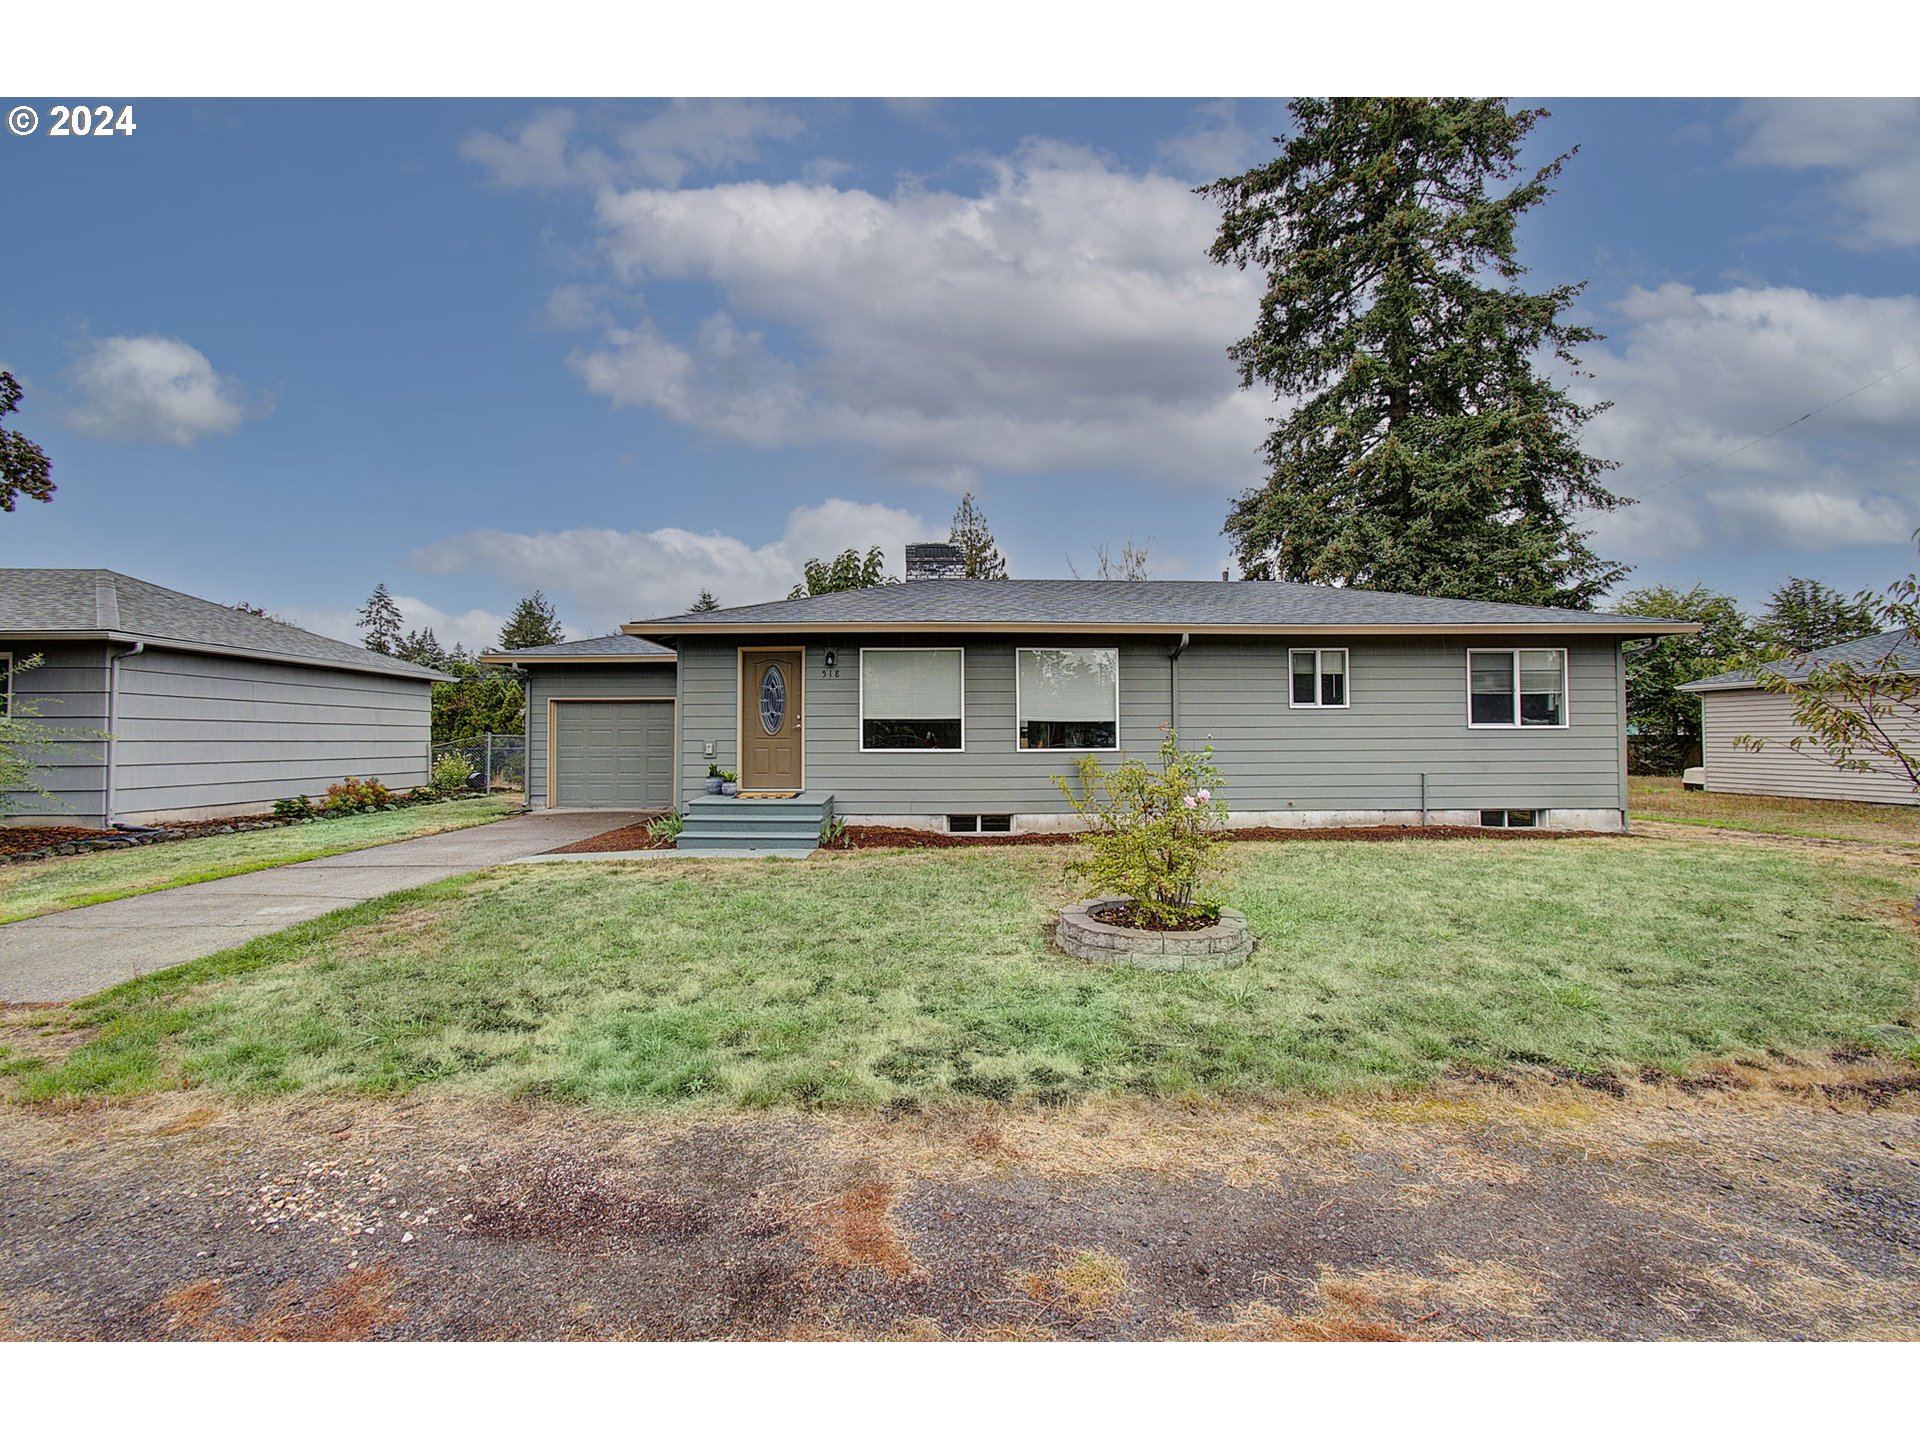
[
  {"x": 24, "y": 467},
  {"x": 1665, "y": 734},
  {"x": 846, "y": 571}
]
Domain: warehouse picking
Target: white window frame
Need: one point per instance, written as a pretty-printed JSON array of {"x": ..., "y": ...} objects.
[
  {"x": 1019, "y": 708},
  {"x": 861, "y": 733},
  {"x": 1317, "y": 651},
  {"x": 1566, "y": 689}
]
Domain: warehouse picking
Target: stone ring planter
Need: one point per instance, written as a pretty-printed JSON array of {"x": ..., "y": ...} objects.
[{"x": 1220, "y": 946}]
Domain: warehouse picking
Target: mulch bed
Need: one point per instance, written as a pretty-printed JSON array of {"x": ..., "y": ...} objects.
[
  {"x": 891, "y": 837},
  {"x": 1124, "y": 915},
  {"x": 627, "y": 837},
  {"x": 18, "y": 839}
]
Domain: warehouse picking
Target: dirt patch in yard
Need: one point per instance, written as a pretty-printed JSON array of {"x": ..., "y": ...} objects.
[
  {"x": 20, "y": 839},
  {"x": 1783, "y": 1206}
]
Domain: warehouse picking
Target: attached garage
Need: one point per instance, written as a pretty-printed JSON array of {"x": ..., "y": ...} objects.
[
  {"x": 602, "y": 715},
  {"x": 612, "y": 754}
]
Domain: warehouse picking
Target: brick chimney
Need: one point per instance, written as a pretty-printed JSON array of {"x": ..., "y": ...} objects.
[{"x": 935, "y": 560}]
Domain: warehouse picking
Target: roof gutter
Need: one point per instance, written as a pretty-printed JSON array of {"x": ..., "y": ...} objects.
[
  {"x": 1623, "y": 628},
  {"x": 113, "y": 724}
]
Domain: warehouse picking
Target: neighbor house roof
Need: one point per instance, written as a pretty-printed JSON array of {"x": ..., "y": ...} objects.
[
  {"x": 601, "y": 647},
  {"x": 1171, "y": 606},
  {"x": 1865, "y": 653},
  {"x": 106, "y": 605}
]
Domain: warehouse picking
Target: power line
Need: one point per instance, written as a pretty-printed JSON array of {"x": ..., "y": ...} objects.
[{"x": 1760, "y": 440}]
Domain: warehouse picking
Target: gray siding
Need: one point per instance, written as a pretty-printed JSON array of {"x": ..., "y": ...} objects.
[
  {"x": 1407, "y": 716},
  {"x": 209, "y": 733},
  {"x": 70, "y": 690},
  {"x": 1779, "y": 769},
  {"x": 582, "y": 682}
]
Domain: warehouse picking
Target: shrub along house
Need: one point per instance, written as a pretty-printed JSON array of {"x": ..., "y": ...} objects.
[
  {"x": 949, "y": 704},
  {"x": 203, "y": 710}
]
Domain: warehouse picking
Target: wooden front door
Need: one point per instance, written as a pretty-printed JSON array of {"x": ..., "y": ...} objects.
[{"x": 771, "y": 760}]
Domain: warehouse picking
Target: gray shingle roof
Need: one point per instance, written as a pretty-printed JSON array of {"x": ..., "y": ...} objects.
[
  {"x": 600, "y": 647},
  {"x": 1142, "y": 605},
  {"x": 109, "y": 605},
  {"x": 1864, "y": 653}
]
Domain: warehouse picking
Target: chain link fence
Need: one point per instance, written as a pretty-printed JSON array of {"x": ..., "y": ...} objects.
[{"x": 496, "y": 764}]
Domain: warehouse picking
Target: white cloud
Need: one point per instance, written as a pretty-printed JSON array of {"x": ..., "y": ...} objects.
[
  {"x": 609, "y": 576},
  {"x": 1872, "y": 147},
  {"x": 1699, "y": 374},
  {"x": 671, "y": 142},
  {"x": 150, "y": 387},
  {"x": 1215, "y": 144},
  {"x": 1065, "y": 318},
  {"x": 476, "y": 629}
]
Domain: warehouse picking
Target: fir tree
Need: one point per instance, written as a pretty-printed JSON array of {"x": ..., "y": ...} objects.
[
  {"x": 380, "y": 618},
  {"x": 705, "y": 603},
  {"x": 977, "y": 546},
  {"x": 532, "y": 623},
  {"x": 1423, "y": 450},
  {"x": 1803, "y": 615},
  {"x": 421, "y": 647}
]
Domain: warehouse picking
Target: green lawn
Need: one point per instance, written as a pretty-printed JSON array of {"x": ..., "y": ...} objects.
[
  {"x": 1660, "y": 797},
  {"x": 872, "y": 978},
  {"x": 44, "y": 886}
]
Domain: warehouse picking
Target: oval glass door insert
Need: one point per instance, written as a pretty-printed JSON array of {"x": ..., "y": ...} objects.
[{"x": 773, "y": 700}]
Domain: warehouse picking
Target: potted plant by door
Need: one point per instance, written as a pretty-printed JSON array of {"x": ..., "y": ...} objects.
[
  {"x": 715, "y": 779},
  {"x": 729, "y": 783}
]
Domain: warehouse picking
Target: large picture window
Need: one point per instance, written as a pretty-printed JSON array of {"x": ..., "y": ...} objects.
[
  {"x": 911, "y": 700},
  {"x": 1516, "y": 687},
  {"x": 1068, "y": 699},
  {"x": 1319, "y": 679}
]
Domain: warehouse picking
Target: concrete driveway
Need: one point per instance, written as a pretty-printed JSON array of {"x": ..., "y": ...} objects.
[{"x": 65, "y": 956}]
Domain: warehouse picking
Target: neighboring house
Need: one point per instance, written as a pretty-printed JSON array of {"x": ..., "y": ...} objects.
[
  {"x": 210, "y": 711},
  {"x": 1732, "y": 706},
  {"x": 950, "y": 704}
]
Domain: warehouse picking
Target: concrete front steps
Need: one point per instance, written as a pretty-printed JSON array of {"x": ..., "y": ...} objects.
[{"x": 717, "y": 823}]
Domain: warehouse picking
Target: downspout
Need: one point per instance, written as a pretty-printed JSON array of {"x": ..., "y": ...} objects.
[
  {"x": 1173, "y": 669},
  {"x": 113, "y": 721}
]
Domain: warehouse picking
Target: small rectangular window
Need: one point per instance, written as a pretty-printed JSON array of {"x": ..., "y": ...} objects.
[
  {"x": 1511, "y": 819},
  {"x": 1517, "y": 687},
  {"x": 1319, "y": 679},
  {"x": 996, "y": 824},
  {"x": 1068, "y": 699},
  {"x": 962, "y": 824},
  {"x": 911, "y": 700}
]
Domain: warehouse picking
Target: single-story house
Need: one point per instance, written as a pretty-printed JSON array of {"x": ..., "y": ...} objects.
[
  {"x": 1732, "y": 706},
  {"x": 950, "y": 704},
  {"x": 208, "y": 710}
]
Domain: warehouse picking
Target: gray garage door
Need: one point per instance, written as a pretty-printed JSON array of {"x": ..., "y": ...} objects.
[{"x": 613, "y": 755}]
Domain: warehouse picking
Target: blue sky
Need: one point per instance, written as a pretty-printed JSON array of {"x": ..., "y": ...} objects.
[{"x": 280, "y": 350}]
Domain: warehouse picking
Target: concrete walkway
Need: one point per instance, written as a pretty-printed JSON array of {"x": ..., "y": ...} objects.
[{"x": 65, "y": 956}]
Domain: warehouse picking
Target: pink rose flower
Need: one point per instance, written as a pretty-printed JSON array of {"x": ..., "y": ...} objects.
[
  {"x": 1187, "y": 800},
  {"x": 1206, "y": 796}
]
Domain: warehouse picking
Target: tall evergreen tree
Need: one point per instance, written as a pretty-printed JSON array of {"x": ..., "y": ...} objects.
[
  {"x": 1803, "y": 615},
  {"x": 846, "y": 571},
  {"x": 24, "y": 467},
  {"x": 1424, "y": 450},
  {"x": 532, "y": 623},
  {"x": 978, "y": 548},
  {"x": 705, "y": 603},
  {"x": 380, "y": 618}
]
